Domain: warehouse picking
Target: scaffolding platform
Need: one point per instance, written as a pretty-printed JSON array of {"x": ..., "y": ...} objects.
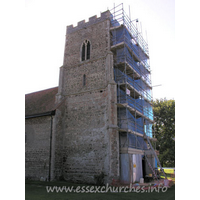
[{"x": 132, "y": 75}]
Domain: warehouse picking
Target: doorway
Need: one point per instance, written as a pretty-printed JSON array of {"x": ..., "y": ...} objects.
[{"x": 143, "y": 167}]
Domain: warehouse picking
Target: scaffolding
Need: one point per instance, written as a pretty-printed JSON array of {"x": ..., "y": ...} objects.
[{"x": 133, "y": 77}]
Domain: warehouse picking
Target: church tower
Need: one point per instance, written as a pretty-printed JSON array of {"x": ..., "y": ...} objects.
[
  {"x": 87, "y": 141},
  {"x": 96, "y": 126}
]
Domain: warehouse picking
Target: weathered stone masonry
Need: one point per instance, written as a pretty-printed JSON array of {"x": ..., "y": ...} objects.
[
  {"x": 85, "y": 139},
  {"x": 95, "y": 124},
  {"x": 38, "y": 147},
  {"x": 90, "y": 121}
]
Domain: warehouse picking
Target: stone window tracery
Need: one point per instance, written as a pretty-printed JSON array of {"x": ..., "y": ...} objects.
[{"x": 85, "y": 50}]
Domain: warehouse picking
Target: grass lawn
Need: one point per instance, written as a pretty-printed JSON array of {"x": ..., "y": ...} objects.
[{"x": 37, "y": 190}]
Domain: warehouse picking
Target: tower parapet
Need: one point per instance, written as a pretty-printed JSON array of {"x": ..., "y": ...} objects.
[{"x": 92, "y": 20}]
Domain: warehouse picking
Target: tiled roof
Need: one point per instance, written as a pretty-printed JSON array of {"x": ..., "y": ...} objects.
[{"x": 41, "y": 101}]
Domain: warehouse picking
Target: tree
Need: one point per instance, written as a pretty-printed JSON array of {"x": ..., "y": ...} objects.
[{"x": 164, "y": 129}]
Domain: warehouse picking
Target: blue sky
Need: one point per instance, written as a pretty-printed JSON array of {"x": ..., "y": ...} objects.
[{"x": 45, "y": 29}]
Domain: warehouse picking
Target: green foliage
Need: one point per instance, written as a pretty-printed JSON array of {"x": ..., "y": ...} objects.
[{"x": 164, "y": 127}]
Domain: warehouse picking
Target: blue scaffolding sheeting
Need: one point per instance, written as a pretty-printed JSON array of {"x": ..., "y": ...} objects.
[
  {"x": 138, "y": 85},
  {"x": 147, "y": 110},
  {"x": 132, "y": 141},
  {"x": 123, "y": 98},
  {"x": 144, "y": 89},
  {"x": 132, "y": 75},
  {"x": 127, "y": 121},
  {"x": 139, "y": 104},
  {"x": 136, "y": 142},
  {"x": 123, "y": 55},
  {"x": 121, "y": 35},
  {"x": 119, "y": 17}
]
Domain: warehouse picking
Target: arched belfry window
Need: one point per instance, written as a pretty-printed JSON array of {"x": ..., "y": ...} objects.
[{"x": 85, "y": 51}]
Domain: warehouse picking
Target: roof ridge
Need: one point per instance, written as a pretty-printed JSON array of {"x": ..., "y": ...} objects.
[{"x": 41, "y": 90}]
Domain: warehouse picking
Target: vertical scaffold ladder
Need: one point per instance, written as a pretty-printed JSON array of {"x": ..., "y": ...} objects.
[
  {"x": 158, "y": 161},
  {"x": 149, "y": 164}
]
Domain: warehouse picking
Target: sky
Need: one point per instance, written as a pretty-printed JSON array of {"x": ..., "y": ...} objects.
[{"x": 45, "y": 30}]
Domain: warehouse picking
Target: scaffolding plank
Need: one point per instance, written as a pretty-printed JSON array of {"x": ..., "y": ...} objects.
[
  {"x": 117, "y": 45},
  {"x": 130, "y": 131}
]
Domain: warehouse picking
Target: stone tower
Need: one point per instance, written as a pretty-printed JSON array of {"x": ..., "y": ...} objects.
[
  {"x": 97, "y": 124},
  {"x": 86, "y": 140}
]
